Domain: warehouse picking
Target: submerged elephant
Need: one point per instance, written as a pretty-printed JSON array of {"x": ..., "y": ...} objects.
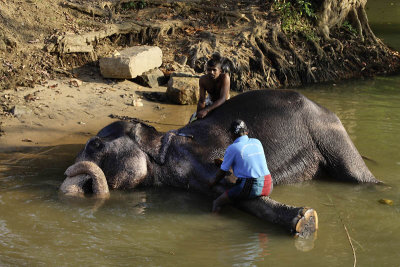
[{"x": 301, "y": 140}]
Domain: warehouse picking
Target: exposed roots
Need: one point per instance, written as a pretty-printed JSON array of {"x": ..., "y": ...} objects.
[{"x": 262, "y": 55}]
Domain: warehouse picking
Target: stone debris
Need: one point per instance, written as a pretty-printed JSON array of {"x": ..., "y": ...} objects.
[
  {"x": 75, "y": 82},
  {"x": 153, "y": 78},
  {"x": 19, "y": 110},
  {"x": 181, "y": 59},
  {"x": 386, "y": 201},
  {"x": 137, "y": 102},
  {"x": 53, "y": 86},
  {"x": 183, "y": 90},
  {"x": 131, "y": 62},
  {"x": 184, "y": 71},
  {"x": 155, "y": 96},
  {"x": 30, "y": 97}
]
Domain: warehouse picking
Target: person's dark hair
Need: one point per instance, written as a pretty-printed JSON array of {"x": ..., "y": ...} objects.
[
  {"x": 238, "y": 127},
  {"x": 215, "y": 60},
  {"x": 225, "y": 64}
]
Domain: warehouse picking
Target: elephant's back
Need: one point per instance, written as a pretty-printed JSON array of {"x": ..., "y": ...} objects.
[
  {"x": 260, "y": 109},
  {"x": 271, "y": 99},
  {"x": 257, "y": 108},
  {"x": 269, "y": 103}
]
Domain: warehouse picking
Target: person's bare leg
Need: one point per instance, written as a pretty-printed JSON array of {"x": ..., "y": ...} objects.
[{"x": 222, "y": 200}]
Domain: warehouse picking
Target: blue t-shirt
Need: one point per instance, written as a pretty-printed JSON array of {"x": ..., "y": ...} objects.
[{"x": 246, "y": 157}]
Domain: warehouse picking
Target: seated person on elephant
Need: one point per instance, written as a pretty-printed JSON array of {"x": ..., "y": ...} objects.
[
  {"x": 247, "y": 159},
  {"x": 216, "y": 84}
]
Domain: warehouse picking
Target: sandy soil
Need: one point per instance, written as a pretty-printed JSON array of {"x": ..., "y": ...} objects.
[{"x": 69, "y": 110}]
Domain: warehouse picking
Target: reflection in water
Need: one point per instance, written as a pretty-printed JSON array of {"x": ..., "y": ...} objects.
[{"x": 263, "y": 243}]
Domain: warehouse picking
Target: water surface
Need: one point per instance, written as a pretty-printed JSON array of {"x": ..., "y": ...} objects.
[{"x": 166, "y": 227}]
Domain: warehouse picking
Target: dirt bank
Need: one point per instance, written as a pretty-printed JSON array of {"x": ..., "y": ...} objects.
[
  {"x": 46, "y": 44},
  {"x": 70, "y": 110}
]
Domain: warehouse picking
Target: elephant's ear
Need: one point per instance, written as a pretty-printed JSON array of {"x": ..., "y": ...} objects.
[{"x": 148, "y": 139}]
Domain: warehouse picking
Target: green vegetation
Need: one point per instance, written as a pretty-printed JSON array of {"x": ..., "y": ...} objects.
[
  {"x": 297, "y": 16},
  {"x": 134, "y": 5},
  {"x": 348, "y": 27}
]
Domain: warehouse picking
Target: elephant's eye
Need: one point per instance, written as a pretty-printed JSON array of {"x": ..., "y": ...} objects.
[{"x": 95, "y": 144}]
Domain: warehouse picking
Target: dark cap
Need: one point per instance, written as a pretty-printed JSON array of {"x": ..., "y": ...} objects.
[{"x": 238, "y": 127}]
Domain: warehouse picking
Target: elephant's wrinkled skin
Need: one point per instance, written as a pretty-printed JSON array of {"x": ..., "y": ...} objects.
[{"x": 301, "y": 140}]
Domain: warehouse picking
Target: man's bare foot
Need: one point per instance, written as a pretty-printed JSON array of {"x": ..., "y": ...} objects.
[{"x": 216, "y": 208}]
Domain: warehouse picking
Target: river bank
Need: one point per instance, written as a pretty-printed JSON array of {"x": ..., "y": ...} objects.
[
  {"x": 48, "y": 96},
  {"x": 70, "y": 110}
]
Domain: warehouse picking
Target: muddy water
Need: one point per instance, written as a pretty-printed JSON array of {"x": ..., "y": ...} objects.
[{"x": 165, "y": 227}]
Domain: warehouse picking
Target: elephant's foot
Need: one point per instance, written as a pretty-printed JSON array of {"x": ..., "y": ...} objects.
[{"x": 306, "y": 223}]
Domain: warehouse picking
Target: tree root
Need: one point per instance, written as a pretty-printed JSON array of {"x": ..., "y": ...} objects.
[
  {"x": 229, "y": 18},
  {"x": 263, "y": 56},
  {"x": 363, "y": 19},
  {"x": 88, "y": 9}
]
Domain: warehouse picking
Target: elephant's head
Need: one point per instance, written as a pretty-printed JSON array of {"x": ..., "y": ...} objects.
[{"x": 119, "y": 156}]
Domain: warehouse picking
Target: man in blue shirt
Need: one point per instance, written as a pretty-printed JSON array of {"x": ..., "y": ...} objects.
[{"x": 247, "y": 159}]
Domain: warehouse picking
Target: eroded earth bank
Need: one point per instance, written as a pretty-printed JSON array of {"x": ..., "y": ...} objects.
[{"x": 52, "y": 90}]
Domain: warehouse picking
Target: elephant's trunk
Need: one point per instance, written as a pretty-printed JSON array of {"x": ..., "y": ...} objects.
[{"x": 79, "y": 174}]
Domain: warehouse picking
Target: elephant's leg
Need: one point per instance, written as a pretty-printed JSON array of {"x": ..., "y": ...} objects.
[
  {"x": 300, "y": 221},
  {"x": 343, "y": 160}
]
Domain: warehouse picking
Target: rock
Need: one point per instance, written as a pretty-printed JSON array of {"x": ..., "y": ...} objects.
[
  {"x": 184, "y": 71},
  {"x": 137, "y": 103},
  {"x": 386, "y": 201},
  {"x": 152, "y": 78},
  {"x": 181, "y": 59},
  {"x": 10, "y": 41},
  {"x": 183, "y": 90},
  {"x": 198, "y": 55},
  {"x": 131, "y": 62},
  {"x": 19, "y": 110},
  {"x": 50, "y": 47},
  {"x": 155, "y": 96},
  {"x": 3, "y": 46},
  {"x": 30, "y": 97},
  {"x": 74, "y": 44},
  {"x": 75, "y": 82}
]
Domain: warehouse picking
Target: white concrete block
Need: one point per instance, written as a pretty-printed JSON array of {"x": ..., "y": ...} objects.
[{"x": 131, "y": 62}]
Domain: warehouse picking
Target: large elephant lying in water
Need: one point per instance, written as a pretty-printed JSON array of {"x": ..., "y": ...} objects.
[{"x": 301, "y": 140}]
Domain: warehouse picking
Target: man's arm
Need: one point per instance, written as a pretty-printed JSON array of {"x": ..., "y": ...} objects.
[
  {"x": 225, "y": 166},
  {"x": 220, "y": 174},
  {"x": 202, "y": 100},
  {"x": 226, "y": 84}
]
